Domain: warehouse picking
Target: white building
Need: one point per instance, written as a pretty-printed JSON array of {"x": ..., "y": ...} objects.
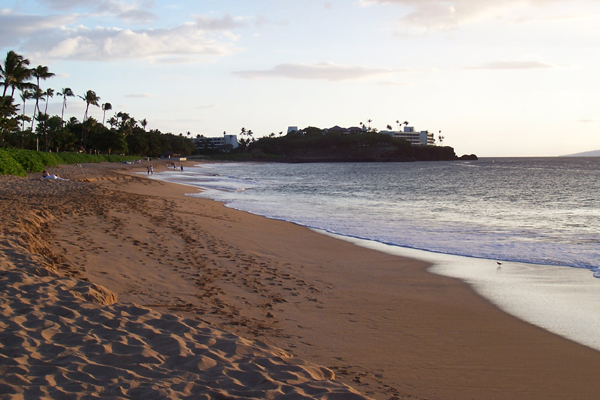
[
  {"x": 423, "y": 138},
  {"x": 216, "y": 142}
]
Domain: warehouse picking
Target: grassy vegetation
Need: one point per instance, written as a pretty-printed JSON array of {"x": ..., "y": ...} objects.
[
  {"x": 10, "y": 166},
  {"x": 18, "y": 162}
]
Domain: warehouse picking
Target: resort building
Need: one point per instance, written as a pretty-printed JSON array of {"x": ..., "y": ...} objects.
[
  {"x": 423, "y": 138},
  {"x": 218, "y": 143},
  {"x": 339, "y": 129}
]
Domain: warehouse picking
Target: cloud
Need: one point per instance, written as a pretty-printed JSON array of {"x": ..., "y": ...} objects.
[
  {"x": 515, "y": 65},
  {"x": 395, "y": 83},
  {"x": 218, "y": 24},
  {"x": 526, "y": 19},
  {"x": 188, "y": 40},
  {"x": 129, "y": 12},
  {"x": 140, "y": 96},
  {"x": 208, "y": 107},
  {"x": 435, "y": 15},
  {"x": 15, "y": 26},
  {"x": 320, "y": 71}
]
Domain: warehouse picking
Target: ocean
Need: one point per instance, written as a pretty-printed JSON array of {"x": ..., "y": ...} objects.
[{"x": 538, "y": 217}]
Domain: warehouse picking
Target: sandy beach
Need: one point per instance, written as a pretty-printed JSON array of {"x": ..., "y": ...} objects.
[{"x": 117, "y": 286}]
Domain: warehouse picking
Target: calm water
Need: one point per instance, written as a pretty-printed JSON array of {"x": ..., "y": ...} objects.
[{"x": 533, "y": 210}]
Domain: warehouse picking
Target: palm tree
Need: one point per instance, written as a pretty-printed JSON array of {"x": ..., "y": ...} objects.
[
  {"x": 25, "y": 95},
  {"x": 48, "y": 93},
  {"x": 105, "y": 107},
  {"x": 43, "y": 118},
  {"x": 112, "y": 121},
  {"x": 144, "y": 122},
  {"x": 40, "y": 72},
  {"x": 15, "y": 73},
  {"x": 66, "y": 92},
  {"x": 124, "y": 117},
  {"x": 38, "y": 95},
  {"x": 441, "y": 138},
  {"x": 398, "y": 123},
  {"x": 369, "y": 121},
  {"x": 389, "y": 127},
  {"x": 90, "y": 97},
  {"x": 405, "y": 123}
]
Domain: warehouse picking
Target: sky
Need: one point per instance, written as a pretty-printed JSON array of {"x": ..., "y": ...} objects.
[{"x": 498, "y": 78}]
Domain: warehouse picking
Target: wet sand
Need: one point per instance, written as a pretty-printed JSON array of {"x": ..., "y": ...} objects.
[{"x": 381, "y": 323}]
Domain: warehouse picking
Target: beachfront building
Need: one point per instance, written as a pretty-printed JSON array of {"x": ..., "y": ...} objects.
[
  {"x": 217, "y": 143},
  {"x": 422, "y": 138},
  {"x": 346, "y": 131}
]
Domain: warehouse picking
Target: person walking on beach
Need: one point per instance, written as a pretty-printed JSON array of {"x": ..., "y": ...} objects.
[
  {"x": 151, "y": 170},
  {"x": 182, "y": 167}
]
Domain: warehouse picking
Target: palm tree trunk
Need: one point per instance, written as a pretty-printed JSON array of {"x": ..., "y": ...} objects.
[{"x": 62, "y": 115}]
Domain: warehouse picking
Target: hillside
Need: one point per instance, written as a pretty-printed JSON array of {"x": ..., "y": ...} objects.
[{"x": 594, "y": 153}]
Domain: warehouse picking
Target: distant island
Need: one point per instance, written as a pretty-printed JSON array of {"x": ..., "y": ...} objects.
[{"x": 594, "y": 153}]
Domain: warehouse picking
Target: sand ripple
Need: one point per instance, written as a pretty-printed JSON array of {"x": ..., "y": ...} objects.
[{"x": 55, "y": 344}]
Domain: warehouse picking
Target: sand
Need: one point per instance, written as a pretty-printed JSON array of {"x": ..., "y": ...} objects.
[{"x": 114, "y": 285}]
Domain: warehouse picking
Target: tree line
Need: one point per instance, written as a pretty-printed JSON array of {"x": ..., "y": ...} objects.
[{"x": 52, "y": 133}]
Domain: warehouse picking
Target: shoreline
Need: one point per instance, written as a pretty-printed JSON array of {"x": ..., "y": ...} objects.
[
  {"x": 383, "y": 323},
  {"x": 540, "y": 294}
]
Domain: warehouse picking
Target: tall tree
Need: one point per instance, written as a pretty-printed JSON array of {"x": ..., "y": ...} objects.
[
  {"x": 49, "y": 93},
  {"x": 39, "y": 72},
  {"x": 38, "y": 95},
  {"x": 105, "y": 108},
  {"x": 25, "y": 95},
  {"x": 15, "y": 73},
  {"x": 92, "y": 98},
  {"x": 66, "y": 92},
  {"x": 112, "y": 121}
]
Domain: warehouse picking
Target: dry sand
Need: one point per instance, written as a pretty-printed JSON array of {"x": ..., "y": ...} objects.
[{"x": 213, "y": 303}]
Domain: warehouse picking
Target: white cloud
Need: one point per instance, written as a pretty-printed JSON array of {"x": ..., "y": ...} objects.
[
  {"x": 14, "y": 26},
  {"x": 527, "y": 19},
  {"x": 395, "y": 83},
  {"x": 433, "y": 15},
  {"x": 218, "y": 24},
  {"x": 208, "y": 107},
  {"x": 320, "y": 71},
  {"x": 515, "y": 65},
  {"x": 140, "y": 96},
  {"x": 188, "y": 40},
  {"x": 132, "y": 12}
]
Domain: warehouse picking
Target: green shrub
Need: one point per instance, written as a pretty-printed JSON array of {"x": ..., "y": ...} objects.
[
  {"x": 30, "y": 160},
  {"x": 10, "y": 166},
  {"x": 50, "y": 159},
  {"x": 18, "y": 161}
]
